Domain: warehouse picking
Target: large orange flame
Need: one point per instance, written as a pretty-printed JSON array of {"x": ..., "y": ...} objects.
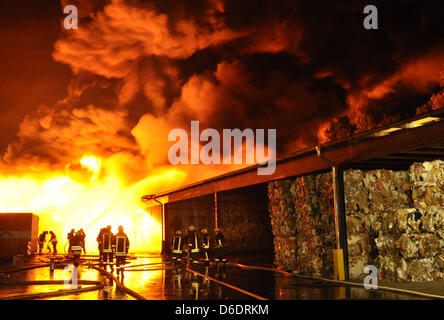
[{"x": 64, "y": 202}]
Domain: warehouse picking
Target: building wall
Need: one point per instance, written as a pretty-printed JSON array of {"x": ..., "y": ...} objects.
[
  {"x": 16, "y": 229},
  {"x": 198, "y": 212},
  {"x": 243, "y": 217}
]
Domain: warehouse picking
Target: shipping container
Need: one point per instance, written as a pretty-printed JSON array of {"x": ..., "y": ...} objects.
[{"x": 16, "y": 230}]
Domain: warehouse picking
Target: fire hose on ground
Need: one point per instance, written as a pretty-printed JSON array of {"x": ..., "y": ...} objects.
[
  {"x": 227, "y": 285},
  {"x": 17, "y": 269},
  {"x": 97, "y": 285},
  {"x": 355, "y": 284},
  {"x": 119, "y": 285}
]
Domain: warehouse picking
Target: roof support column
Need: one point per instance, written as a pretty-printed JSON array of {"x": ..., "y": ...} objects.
[
  {"x": 340, "y": 255},
  {"x": 340, "y": 218},
  {"x": 215, "y": 211}
]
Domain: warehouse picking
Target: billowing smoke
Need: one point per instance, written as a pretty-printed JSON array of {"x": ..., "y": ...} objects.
[{"x": 310, "y": 70}]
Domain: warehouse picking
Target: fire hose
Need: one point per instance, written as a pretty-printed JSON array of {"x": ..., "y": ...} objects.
[
  {"x": 355, "y": 284},
  {"x": 119, "y": 285},
  {"x": 97, "y": 285},
  {"x": 227, "y": 285},
  {"x": 145, "y": 264},
  {"x": 153, "y": 269},
  {"x": 16, "y": 269}
]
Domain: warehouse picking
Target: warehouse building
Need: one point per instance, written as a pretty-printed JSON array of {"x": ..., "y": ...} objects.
[{"x": 374, "y": 198}]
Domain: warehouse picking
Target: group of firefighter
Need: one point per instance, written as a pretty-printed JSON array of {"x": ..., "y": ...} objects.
[
  {"x": 111, "y": 245},
  {"x": 52, "y": 241},
  {"x": 197, "y": 245}
]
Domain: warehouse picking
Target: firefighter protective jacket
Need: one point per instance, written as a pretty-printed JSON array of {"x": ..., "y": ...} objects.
[
  {"x": 220, "y": 240},
  {"x": 206, "y": 242},
  {"x": 76, "y": 244},
  {"x": 193, "y": 241},
  {"x": 122, "y": 244},
  {"x": 177, "y": 244},
  {"x": 107, "y": 242}
]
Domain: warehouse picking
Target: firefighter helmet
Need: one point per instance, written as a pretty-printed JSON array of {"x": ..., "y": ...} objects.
[
  {"x": 178, "y": 232},
  {"x": 191, "y": 228},
  {"x": 204, "y": 231},
  {"x": 120, "y": 228}
]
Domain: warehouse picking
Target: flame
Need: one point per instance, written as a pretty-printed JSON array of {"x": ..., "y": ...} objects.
[
  {"x": 64, "y": 202},
  {"x": 92, "y": 163}
]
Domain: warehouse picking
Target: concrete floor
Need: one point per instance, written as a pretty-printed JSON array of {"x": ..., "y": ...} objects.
[{"x": 179, "y": 284}]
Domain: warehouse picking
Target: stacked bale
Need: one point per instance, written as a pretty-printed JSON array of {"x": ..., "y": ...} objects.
[
  {"x": 421, "y": 241},
  {"x": 283, "y": 223},
  {"x": 371, "y": 200},
  {"x": 428, "y": 184},
  {"x": 357, "y": 208},
  {"x": 389, "y": 191},
  {"x": 302, "y": 215}
]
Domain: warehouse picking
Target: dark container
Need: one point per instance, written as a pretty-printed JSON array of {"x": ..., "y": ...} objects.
[{"x": 16, "y": 230}]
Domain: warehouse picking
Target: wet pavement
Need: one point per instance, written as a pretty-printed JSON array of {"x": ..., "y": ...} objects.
[{"x": 152, "y": 278}]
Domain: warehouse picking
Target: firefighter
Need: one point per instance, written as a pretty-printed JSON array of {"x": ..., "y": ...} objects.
[
  {"x": 205, "y": 245},
  {"x": 122, "y": 246},
  {"x": 107, "y": 247},
  {"x": 71, "y": 235},
  {"x": 99, "y": 242},
  {"x": 42, "y": 240},
  {"x": 53, "y": 241},
  {"x": 177, "y": 247},
  {"x": 76, "y": 247},
  {"x": 220, "y": 250},
  {"x": 82, "y": 237},
  {"x": 192, "y": 241}
]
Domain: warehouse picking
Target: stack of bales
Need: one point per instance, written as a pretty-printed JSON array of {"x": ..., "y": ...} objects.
[
  {"x": 281, "y": 209},
  {"x": 371, "y": 200},
  {"x": 405, "y": 243},
  {"x": 357, "y": 208},
  {"x": 313, "y": 203},
  {"x": 389, "y": 191},
  {"x": 302, "y": 215},
  {"x": 421, "y": 232}
]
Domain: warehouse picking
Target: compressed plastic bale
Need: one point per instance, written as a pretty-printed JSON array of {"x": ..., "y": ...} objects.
[
  {"x": 356, "y": 265},
  {"x": 439, "y": 261},
  {"x": 359, "y": 244},
  {"x": 388, "y": 223},
  {"x": 387, "y": 267},
  {"x": 354, "y": 225},
  {"x": 422, "y": 270},
  {"x": 386, "y": 244},
  {"x": 427, "y": 173},
  {"x": 355, "y": 192},
  {"x": 428, "y": 245},
  {"x": 428, "y": 219},
  {"x": 424, "y": 196},
  {"x": 408, "y": 246},
  {"x": 387, "y": 189},
  {"x": 408, "y": 220}
]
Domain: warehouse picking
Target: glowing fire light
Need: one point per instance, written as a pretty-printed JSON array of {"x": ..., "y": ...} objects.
[
  {"x": 91, "y": 162},
  {"x": 63, "y": 203}
]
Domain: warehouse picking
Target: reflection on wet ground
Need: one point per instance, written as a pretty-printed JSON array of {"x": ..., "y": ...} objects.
[{"x": 156, "y": 280}]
